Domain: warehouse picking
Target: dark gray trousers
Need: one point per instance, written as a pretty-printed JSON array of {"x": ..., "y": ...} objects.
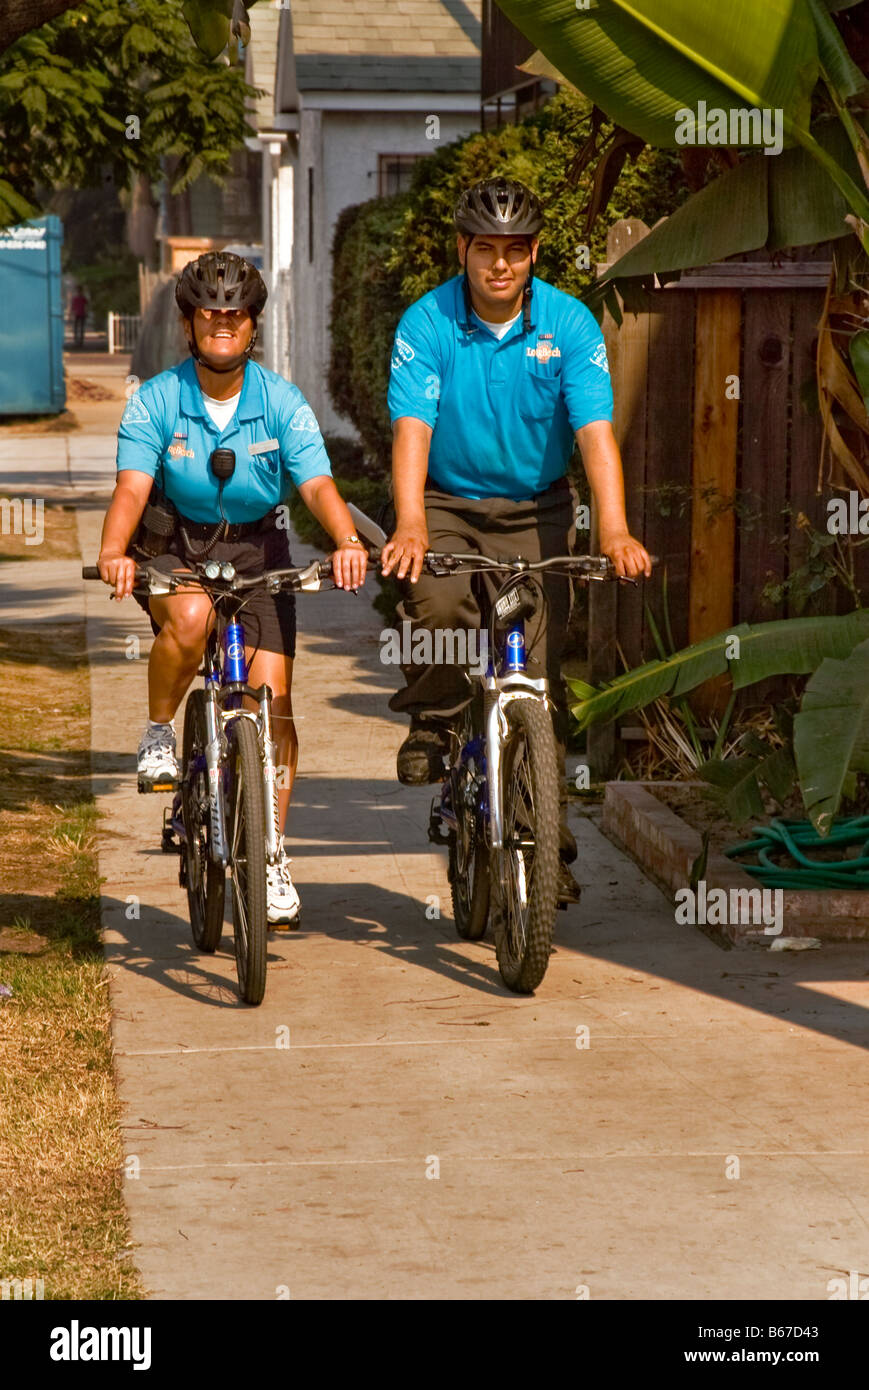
[{"x": 536, "y": 529}]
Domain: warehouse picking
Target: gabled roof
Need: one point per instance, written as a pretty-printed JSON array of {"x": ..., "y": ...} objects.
[{"x": 393, "y": 45}]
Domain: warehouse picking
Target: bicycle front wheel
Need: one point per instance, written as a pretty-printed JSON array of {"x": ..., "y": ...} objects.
[
  {"x": 468, "y": 869},
  {"x": 248, "y": 860},
  {"x": 206, "y": 880},
  {"x": 524, "y": 872}
]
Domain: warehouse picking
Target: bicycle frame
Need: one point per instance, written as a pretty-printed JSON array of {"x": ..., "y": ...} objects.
[
  {"x": 226, "y": 682},
  {"x": 508, "y": 682}
]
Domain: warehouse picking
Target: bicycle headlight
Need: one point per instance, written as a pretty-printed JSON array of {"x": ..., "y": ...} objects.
[
  {"x": 212, "y": 570},
  {"x": 227, "y": 571}
]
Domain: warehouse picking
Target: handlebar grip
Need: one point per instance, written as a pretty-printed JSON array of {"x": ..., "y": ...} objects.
[{"x": 90, "y": 572}]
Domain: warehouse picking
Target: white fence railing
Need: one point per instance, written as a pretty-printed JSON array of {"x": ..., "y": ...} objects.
[{"x": 123, "y": 331}]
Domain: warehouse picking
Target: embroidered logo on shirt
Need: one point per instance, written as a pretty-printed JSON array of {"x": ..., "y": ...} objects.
[
  {"x": 177, "y": 451},
  {"x": 304, "y": 419},
  {"x": 135, "y": 413},
  {"x": 598, "y": 357},
  {"x": 543, "y": 351},
  {"x": 403, "y": 353}
]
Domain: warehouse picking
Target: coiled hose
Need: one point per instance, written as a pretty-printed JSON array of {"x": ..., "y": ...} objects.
[{"x": 792, "y": 840}]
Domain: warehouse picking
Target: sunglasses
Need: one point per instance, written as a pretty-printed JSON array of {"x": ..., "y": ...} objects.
[{"x": 225, "y": 313}]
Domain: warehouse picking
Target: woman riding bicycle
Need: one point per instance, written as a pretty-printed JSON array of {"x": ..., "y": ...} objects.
[{"x": 226, "y": 508}]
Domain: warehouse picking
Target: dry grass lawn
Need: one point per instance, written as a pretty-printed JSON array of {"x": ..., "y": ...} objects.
[{"x": 62, "y": 1213}]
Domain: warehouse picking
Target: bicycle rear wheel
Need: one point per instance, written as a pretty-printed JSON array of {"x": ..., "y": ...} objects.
[
  {"x": 524, "y": 873},
  {"x": 248, "y": 860},
  {"x": 206, "y": 880},
  {"x": 468, "y": 867}
]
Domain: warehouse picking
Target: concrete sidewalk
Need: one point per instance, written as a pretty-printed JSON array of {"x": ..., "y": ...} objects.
[{"x": 426, "y": 1134}]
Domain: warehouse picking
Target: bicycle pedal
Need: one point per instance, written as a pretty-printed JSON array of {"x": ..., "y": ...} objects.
[
  {"x": 286, "y": 926},
  {"x": 437, "y": 831},
  {"x": 145, "y": 785}
]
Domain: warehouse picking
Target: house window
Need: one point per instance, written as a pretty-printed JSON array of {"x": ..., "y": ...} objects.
[{"x": 394, "y": 172}]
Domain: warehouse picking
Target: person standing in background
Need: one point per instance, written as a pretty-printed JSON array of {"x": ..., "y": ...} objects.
[{"x": 79, "y": 308}]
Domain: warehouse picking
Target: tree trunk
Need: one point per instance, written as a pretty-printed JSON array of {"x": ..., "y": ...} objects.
[
  {"x": 142, "y": 219},
  {"x": 18, "y": 17}
]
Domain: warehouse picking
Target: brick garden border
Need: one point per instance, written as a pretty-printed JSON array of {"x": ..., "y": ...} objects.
[{"x": 665, "y": 846}]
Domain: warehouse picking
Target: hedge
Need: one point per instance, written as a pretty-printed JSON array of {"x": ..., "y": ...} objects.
[{"x": 389, "y": 251}]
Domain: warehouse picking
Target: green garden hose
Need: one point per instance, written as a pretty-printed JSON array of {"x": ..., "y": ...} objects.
[{"x": 788, "y": 841}]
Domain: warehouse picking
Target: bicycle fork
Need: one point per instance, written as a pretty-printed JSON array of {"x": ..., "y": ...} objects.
[
  {"x": 499, "y": 691},
  {"x": 214, "y": 766},
  {"x": 268, "y": 749}
]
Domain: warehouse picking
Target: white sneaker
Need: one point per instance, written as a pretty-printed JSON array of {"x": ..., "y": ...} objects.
[
  {"x": 283, "y": 899},
  {"x": 156, "y": 760}
]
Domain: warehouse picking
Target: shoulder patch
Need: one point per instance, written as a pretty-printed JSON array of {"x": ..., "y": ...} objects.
[
  {"x": 598, "y": 357},
  {"x": 136, "y": 412},
  {"x": 304, "y": 419},
  {"x": 403, "y": 352}
]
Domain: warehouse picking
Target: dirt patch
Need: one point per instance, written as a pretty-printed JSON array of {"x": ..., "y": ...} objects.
[
  {"x": 695, "y": 805},
  {"x": 78, "y": 388},
  {"x": 58, "y": 535}
]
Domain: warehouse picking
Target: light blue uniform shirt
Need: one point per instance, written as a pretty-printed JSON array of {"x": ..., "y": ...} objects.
[
  {"x": 274, "y": 434},
  {"x": 503, "y": 411}
]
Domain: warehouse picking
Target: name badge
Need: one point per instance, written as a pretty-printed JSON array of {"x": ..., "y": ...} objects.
[{"x": 264, "y": 447}]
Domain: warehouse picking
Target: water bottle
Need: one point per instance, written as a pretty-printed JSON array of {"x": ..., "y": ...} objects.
[{"x": 235, "y": 667}]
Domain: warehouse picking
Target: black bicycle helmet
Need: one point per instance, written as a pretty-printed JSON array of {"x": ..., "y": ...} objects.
[
  {"x": 501, "y": 207},
  {"x": 220, "y": 280}
]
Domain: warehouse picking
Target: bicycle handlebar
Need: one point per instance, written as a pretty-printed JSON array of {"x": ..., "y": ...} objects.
[
  {"x": 297, "y": 579},
  {"x": 589, "y": 567}
]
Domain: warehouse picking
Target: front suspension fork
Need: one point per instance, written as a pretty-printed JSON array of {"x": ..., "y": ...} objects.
[
  {"x": 268, "y": 749},
  {"x": 214, "y": 748}
]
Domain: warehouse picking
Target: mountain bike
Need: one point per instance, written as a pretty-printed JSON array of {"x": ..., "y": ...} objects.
[
  {"x": 224, "y": 814},
  {"x": 498, "y": 808}
]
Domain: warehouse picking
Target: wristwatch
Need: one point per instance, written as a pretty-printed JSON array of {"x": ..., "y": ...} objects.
[{"x": 355, "y": 540}]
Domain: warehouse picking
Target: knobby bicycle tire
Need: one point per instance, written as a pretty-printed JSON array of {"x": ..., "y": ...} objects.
[
  {"x": 468, "y": 867},
  {"x": 523, "y": 931},
  {"x": 248, "y": 860},
  {"x": 206, "y": 880}
]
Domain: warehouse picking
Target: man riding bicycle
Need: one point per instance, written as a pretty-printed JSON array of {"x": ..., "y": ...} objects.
[
  {"x": 224, "y": 440},
  {"x": 494, "y": 374}
]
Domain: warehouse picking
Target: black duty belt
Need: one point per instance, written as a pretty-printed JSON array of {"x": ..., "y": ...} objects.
[{"x": 232, "y": 531}]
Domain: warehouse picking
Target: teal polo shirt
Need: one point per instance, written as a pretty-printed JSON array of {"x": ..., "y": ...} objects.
[
  {"x": 503, "y": 411},
  {"x": 166, "y": 432}
]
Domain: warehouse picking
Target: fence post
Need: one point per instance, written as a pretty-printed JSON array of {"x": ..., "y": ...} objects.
[
  {"x": 627, "y": 353},
  {"x": 111, "y": 332},
  {"x": 713, "y": 521}
]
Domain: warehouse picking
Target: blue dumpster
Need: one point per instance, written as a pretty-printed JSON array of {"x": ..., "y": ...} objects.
[{"x": 31, "y": 327}]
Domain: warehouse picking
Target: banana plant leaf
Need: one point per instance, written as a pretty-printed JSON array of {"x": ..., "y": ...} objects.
[
  {"x": 642, "y": 64},
  {"x": 831, "y": 733},
  {"x": 642, "y": 67},
  {"x": 739, "y": 780},
  {"x": 216, "y": 23},
  {"x": 771, "y": 203},
  {"x": 859, "y": 354},
  {"x": 791, "y": 646}
]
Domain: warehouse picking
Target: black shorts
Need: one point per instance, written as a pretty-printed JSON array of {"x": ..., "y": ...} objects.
[{"x": 269, "y": 619}]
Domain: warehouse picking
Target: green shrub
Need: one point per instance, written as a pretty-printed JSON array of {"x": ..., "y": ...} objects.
[
  {"x": 365, "y": 310},
  {"x": 389, "y": 251},
  {"x": 369, "y": 494}
]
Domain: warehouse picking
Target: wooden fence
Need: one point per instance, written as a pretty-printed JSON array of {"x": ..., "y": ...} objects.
[{"x": 720, "y": 454}]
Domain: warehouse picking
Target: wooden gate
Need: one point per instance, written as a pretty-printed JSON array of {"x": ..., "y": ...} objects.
[{"x": 721, "y": 452}]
